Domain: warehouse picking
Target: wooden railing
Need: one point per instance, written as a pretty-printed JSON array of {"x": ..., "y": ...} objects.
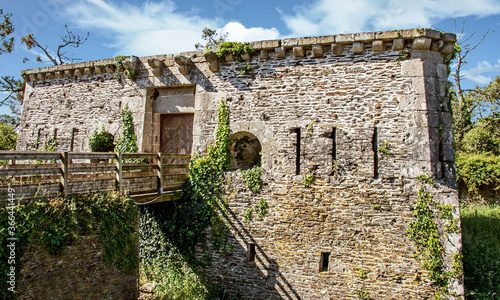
[{"x": 144, "y": 176}]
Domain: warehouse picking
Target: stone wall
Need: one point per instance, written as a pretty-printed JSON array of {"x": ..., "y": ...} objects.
[
  {"x": 374, "y": 90},
  {"x": 79, "y": 272}
]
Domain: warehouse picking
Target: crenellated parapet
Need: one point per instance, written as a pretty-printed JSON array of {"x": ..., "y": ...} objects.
[{"x": 341, "y": 44}]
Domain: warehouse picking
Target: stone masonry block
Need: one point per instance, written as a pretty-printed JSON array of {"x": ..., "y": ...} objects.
[
  {"x": 182, "y": 60},
  {"x": 246, "y": 56},
  {"x": 398, "y": 44},
  {"x": 448, "y": 153},
  {"x": 100, "y": 70},
  {"x": 289, "y": 42},
  {"x": 307, "y": 41},
  {"x": 447, "y": 48},
  {"x": 434, "y": 57},
  {"x": 298, "y": 51},
  {"x": 271, "y": 44},
  {"x": 436, "y": 45},
  {"x": 317, "y": 50},
  {"x": 422, "y": 43},
  {"x": 41, "y": 76},
  {"x": 344, "y": 38},
  {"x": 442, "y": 71},
  {"x": 364, "y": 37},
  {"x": 410, "y": 33},
  {"x": 449, "y": 37},
  {"x": 280, "y": 52},
  {"x": 387, "y": 35},
  {"x": 49, "y": 75},
  {"x": 59, "y": 74},
  {"x": 88, "y": 71},
  {"x": 256, "y": 45},
  {"x": 264, "y": 54},
  {"x": 378, "y": 45},
  {"x": 358, "y": 48},
  {"x": 329, "y": 39},
  {"x": 184, "y": 69},
  {"x": 229, "y": 57},
  {"x": 214, "y": 66},
  {"x": 79, "y": 72},
  {"x": 337, "y": 48}
]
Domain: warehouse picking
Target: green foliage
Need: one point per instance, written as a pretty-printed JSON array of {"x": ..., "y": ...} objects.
[
  {"x": 120, "y": 69},
  {"x": 481, "y": 251},
  {"x": 363, "y": 295},
  {"x": 55, "y": 223},
  {"x": 362, "y": 274},
  {"x": 261, "y": 209},
  {"x": 483, "y": 137},
  {"x": 170, "y": 231},
  {"x": 424, "y": 232},
  {"x": 308, "y": 179},
  {"x": 127, "y": 142},
  {"x": 102, "y": 141},
  {"x": 252, "y": 178},
  {"x": 386, "y": 149},
  {"x": 236, "y": 48},
  {"x": 478, "y": 171},
  {"x": 6, "y": 29},
  {"x": 248, "y": 216},
  {"x": 246, "y": 70},
  {"x": 8, "y": 137},
  {"x": 212, "y": 38}
]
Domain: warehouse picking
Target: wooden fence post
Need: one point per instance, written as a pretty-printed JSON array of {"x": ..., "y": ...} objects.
[
  {"x": 119, "y": 172},
  {"x": 64, "y": 173},
  {"x": 160, "y": 173}
]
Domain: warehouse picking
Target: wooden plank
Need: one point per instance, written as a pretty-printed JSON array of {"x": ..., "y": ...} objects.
[
  {"x": 174, "y": 155},
  {"x": 171, "y": 185},
  {"x": 119, "y": 173},
  {"x": 35, "y": 171},
  {"x": 180, "y": 166},
  {"x": 159, "y": 178},
  {"x": 92, "y": 155},
  {"x": 64, "y": 173},
  {"x": 93, "y": 169},
  {"x": 175, "y": 177},
  {"x": 29, "y": 155},
  {"x": 30, "y": 166},
  {"x": 133, "y": 167},
  {"x": 140, "y": 155}
]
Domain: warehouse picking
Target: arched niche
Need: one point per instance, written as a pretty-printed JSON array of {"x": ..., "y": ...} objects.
[{"x": 246, "y": 150}]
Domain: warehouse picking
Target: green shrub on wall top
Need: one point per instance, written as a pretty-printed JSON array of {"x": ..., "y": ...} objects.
[
  {"x": 102, "y": 141},
  {"x": 235, "y": 48}
]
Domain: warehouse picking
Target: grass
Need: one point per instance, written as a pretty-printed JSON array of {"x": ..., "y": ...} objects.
[{"x": 481, "y": 251}]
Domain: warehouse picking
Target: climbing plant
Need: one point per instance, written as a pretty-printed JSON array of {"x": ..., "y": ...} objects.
[
  {"x": 424, "y": 232},
  {"x": 55, "y": 223},
  {"x": 120, "y": 69},
  {"x": 252, "y": 178}
]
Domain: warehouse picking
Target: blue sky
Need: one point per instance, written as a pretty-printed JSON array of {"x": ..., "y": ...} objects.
[{"x": 170, "y": 26}]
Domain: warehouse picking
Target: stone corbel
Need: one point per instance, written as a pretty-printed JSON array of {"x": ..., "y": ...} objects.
[
  {"x": 68, "y": 73},
  {"x": 79, "y": 72},
  {"x": 317, "y": 50},
  {"x": 33, "y": 77},
  {"x": 110, "y": 68},
  {"x": 41, "y": 76},
  {"x": 156, "y": 65},
  {"x": 59, "y": 74},
  {"x": 213, "y": 62},
  {"x": 184, "y": 64},
  {"x": 88, "y": 71},
  {"x": 100, "y": 70},
  {"x": 49, "y": 75}
]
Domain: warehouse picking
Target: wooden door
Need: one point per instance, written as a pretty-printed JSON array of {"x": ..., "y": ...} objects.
[{"x": 176, "y": 137}]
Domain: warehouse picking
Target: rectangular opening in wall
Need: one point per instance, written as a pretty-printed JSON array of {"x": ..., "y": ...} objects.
[
  {"x": 251, "y": 252},
  {"x": 375, "y": 152},
  {"x": 324, "y": 263},
  {"x": 297, "y": 158},
  {"x": 334, "y": 145},
  {"x": 73, "y": 133}
]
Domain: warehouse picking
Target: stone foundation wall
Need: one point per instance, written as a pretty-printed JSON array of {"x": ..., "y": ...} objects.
[{"x": 374, "y": 90}]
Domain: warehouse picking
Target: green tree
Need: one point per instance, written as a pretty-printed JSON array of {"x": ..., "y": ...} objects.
[
  {"x": 127, "y": 142},
  {"x": 212, "y": 39},
  {"x": 8, "y": 136},
  {"x": 6, "y": 30}
]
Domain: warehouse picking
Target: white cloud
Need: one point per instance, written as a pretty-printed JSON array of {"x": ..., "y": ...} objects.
[
  {"x": 478, "y": 74},
  {"x": 334, "y": 16},
  {"x": 239, "y": 33},
  {"x": 154, "y": 27}
]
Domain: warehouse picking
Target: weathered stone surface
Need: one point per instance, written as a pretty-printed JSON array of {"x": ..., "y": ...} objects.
[
  {"x": 398, "y": 44},
  {"x": 289, "y": 42},
  {"x": 353, "y": 93},
  {"x": 317, "y": 50},
  {"x": 229, "y": 57},
  {"x": 280, "y": 52},
  {"x": 344, "y": 39},
  {"x": 184, "y": 69},
  {"x": 358, "y": 47},
  {"x": 298, "y": 51},
  {"x": 246, "y": 56},
  {"x": 447, "y": 48},
  {"x": 337, "y": 48},
  {"x": 364, "y": 37},
  {"x": 436, "y": 45},
  {"x": 182, "y": 60},
  {"x": 88, "y": 71},
  {"x": 378, "y": 46},
  {"x": 41, "y": 76},
  {"x": 422, "y": 43}
]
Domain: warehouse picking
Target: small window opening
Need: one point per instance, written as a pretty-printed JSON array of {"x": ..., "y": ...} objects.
[
  {"x": 375, "y": 152},
  {"x": 251, "y": 253},
  {"x": 334, "y": 144},
  {"x": 325, "y": 261},
  {"x": 297, "y": 158},
  {"x": 73, "y": 132},
  {"x": 246, "y": 151}
]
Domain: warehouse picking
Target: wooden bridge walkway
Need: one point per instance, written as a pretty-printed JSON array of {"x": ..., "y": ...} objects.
[{"x": 147, "y": 177}]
